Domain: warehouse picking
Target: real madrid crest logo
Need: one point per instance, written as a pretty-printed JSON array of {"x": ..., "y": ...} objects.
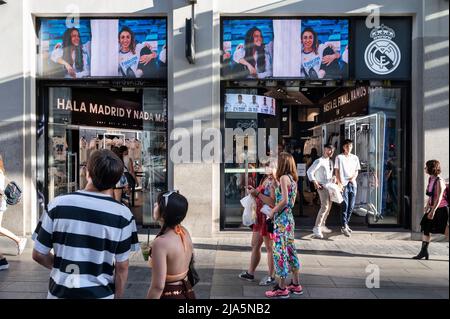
[{"x": 382, "y": 55}]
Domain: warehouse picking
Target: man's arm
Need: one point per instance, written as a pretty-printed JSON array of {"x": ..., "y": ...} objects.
[
  {"x": 337, "y": 173},
  {"x": 120, "y": 278},
  {"x": 311, "y": 174},
  {"x": 44, "y": 260},
  {"x": 358, "y": 167}
]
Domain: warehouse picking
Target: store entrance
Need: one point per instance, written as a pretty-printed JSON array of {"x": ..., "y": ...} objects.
[
  {"x": 308, "y": 117},
  {"x": 75, "y": 122}
]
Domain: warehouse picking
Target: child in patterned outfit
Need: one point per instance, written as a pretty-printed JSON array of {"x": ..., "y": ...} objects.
[
  {"x": 264, "y": 194},
  {"x": 284, "y": 252}
]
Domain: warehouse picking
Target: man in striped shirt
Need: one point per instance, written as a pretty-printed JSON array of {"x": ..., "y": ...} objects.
[{"x": 91, "y": 235}]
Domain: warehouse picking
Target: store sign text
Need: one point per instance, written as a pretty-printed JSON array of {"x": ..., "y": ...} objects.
[
  {"x": 346, "y": 98},
  {"x": 115, "y": 111}
]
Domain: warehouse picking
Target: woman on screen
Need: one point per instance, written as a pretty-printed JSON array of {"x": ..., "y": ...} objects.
[
  {"x": 317, "y": 59},
  {"x": 72, "y": 54},
  {"x": 255, "y": 55},
  {"x": 134, "y": 57}
]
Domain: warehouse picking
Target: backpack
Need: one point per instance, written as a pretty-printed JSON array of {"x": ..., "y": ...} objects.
[{"x": 13, "y": 193}]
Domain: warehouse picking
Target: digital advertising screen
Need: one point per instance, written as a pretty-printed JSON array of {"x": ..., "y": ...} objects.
[
  {"x": 89, "y": 48},
  {"x": 285, "y": 48},
  {"x": 250, "y": 103}
]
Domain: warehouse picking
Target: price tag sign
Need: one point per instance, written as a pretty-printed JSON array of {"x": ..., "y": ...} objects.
[{"x": 301, "y": 170}]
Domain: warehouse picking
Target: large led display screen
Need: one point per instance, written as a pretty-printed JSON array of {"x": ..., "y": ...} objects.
[
  {"x": 249, "y": 103},
  {"x": 285, "y": 48},
  {"x": 89, "y": 48}
]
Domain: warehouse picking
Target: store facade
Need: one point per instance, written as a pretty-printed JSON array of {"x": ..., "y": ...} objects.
[
  {"x": 361, "y": 94},
  {"x": 104, "y": 97},
  {"x": 406, "y": 108}
]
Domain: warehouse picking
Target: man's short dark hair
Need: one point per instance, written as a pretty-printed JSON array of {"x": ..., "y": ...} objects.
[
  {"x": 105, "y": 169},
  {"x": 328, "y": 145},
  {"x": 346, "y": 142}
]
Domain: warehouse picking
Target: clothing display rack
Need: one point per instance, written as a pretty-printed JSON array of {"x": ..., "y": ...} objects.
[{"x": 367, "y": 133}]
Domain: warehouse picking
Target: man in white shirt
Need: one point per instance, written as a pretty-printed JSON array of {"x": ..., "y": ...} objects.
[
  {"x": 254, "y": 106},
  {"x": 265, "y": 107},
  {"x": 227, "y": 105},
  {"x": 240, "y": 106},
  {"x": 347, "y": 167},
  {"x": 321, "y": 173}
]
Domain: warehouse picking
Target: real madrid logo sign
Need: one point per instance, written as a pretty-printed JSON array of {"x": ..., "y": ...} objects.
[{"x": 382, "y": 55}]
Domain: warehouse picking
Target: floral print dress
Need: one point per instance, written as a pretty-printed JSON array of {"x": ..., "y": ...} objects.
[{"x": 284, "y": 252}]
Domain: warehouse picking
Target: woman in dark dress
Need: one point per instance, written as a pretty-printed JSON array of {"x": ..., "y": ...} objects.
[{"x": 435, "y": 219}]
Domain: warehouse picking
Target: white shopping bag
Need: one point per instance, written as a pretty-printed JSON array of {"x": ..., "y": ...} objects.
[
  {"x": 266, "y": 210},
  {"x": 249, "y": 214},
  {"x": 335, "y": 193}
]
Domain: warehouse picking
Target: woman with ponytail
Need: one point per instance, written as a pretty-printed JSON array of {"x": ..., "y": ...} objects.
[{"x": 172, "y": 250}]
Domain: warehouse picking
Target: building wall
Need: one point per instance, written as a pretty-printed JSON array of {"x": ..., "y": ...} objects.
[
  {"x": 193, "y": 90},
  {"x": 435, "y": 89}
]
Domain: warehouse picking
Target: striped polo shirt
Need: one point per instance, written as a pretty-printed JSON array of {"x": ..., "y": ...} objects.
[{"x": 88, "y": 232}]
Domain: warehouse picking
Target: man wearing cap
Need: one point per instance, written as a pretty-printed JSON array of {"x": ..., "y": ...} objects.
[{"x": 321, "y": 173}]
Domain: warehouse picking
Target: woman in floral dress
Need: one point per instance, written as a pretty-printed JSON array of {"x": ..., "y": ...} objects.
[{"x": 284, "y": 251}]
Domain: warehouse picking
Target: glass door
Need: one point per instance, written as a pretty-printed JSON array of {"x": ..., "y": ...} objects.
[
  {"x": 63, "y": 161},
  {"x": 369, "y": 140}
]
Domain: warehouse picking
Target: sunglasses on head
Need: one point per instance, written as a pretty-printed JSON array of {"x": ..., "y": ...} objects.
[{"x": 167, "y": 194}]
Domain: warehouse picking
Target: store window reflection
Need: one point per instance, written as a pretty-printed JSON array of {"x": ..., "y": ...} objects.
[{"x": 82, "y": 120}]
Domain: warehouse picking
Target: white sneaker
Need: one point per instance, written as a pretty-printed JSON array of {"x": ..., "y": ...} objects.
[
  {"x": 267, "y": 281},
  {"x": 21, "y": 246},
  {"x": 345, "y": 231},
  {"x": 348, "y": 228},
  {"x": 317, "y": 233},
  {"x": 325, "y": 230},
  {"x": 3, "y": 264}
]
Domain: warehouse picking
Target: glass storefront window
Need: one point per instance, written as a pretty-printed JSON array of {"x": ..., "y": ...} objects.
[
  {"x": 82, "y": 120},
  {"x": 246, "y": 170},
  {"x": 388, "y": 101},
  {"x": 375, "y": 126}
]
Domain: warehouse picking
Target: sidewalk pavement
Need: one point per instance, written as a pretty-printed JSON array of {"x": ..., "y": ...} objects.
[{"x": 333, "y": 268}]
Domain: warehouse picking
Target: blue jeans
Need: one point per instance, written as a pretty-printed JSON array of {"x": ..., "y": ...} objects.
[{"x": 349, "y": 203}]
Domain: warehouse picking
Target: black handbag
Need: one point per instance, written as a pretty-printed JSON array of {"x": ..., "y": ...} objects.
[
  {"x": 193, "y": 276},
  {"x": 13, "y": 193}
]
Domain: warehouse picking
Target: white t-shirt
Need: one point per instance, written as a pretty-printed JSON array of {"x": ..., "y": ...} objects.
[
  {"x": 128, "y": 62},
  {"x": 240, "y": 107},
  {"x": 321, "y": 171},
  {"x": 59, "y": 148},
  {"x": 312, "y": 61},
  {"x": 253, "y": 107},
  {"x": 265, "y": 109},
  {"x": 347, "y": 165}
]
